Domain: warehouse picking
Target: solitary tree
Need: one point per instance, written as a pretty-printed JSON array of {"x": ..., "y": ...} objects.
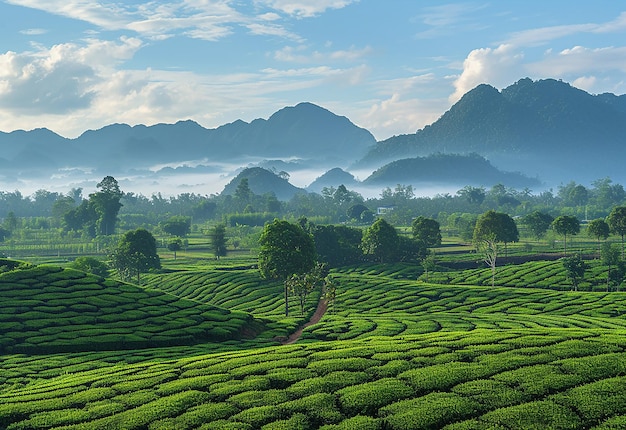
[
  {"x": 599, "y": 229},
  {"x": 427, "y": 231},
  {"x": 301, "y": 285},
  {"x": 106, "y": 203},
  {"x": 538, "y": 223},
  {"x": 285, "y": 249},
  {"x": 609, "y": 255},
  {"x": 566, "y": 225},
  {"x": 617, "y": 223},
  {"x": 175, "y": 245},
  {"x": 380, "y": 241},
  {"x": 177, "y": 225},
  {"x": 217, "y": 236},
  {"x": 574, "y": 269},
  {"x": 491, "y": 229},
  {"x": 135, "y": 253}
]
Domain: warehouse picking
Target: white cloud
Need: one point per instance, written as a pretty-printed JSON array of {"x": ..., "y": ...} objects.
[
  {"x": 499, "y": 67},
  {"x": 301, "y": 54},
  {"x": 306, "y": 8}
]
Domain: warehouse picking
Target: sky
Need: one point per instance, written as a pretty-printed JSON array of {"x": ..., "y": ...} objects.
[{"x": 390, "y": 66}]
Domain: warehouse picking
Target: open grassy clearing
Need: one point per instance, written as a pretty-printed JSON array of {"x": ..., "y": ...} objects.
[{"x": 562, "y": 378}]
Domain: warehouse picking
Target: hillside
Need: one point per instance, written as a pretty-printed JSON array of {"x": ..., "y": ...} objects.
[
  {"x": 542, "y": 128},
  {"x": 419, "y": 356},
  {"x": 461, "y": 170},
  {"x": 261, "y": 181},
  {"x": 48, "y": 309}
]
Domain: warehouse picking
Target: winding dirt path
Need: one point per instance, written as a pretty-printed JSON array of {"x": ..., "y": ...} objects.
[{"x": 317, "y": 316}]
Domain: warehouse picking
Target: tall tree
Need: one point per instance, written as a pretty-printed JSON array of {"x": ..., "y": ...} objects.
[
  {"x": 609, "y": 255},
  {"x": 617, "y": 223},
  {"x": 538, "y": 223},
  {"x": 135, "y": 253},
  {"x": 427, "y": 231},
  {"x": 285, "y": 249},
  {"x": 106, "y": 203},
  {"x": 574, "y": 269},
  {"x": 599, "y": 229},
  {"x": 217, "y": 237},
  {"x": 380, "y": 241},
  {"x": 566, "y": 225},
  {"x": 491, "y": 229}
]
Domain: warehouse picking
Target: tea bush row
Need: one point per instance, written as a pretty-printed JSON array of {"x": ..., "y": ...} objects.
[{"x": 477, "y": 379}]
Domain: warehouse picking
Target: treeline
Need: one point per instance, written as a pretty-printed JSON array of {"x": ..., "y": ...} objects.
[{"x": 73, "y": 210}]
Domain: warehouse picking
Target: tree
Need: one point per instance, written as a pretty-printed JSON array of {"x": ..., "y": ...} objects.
[
  {"x": 177, "y": 226},
  {"x": 243, "y": 191},
  {"x": 285, "y": 249},
  {"x": 491, "y": 229},
  {"x": 538, "y": 223},
  {"x": 354, "y": 212},
  {"x": 337, "y": 245},
  {"x": 301, "y": 285},
  {"x": 475, "y": 196},
  {"x": 106, "y": 203},
  {"x": 617, "y": 223},
  {"x": 91, "y": 265},
  {"x": 4, "y": 234},
  {"x": 574, "y": 269},
  {"x": 217, "y": 236},
  {"x": 565, "y": 225},
  {"x": 380, "y": 241},
  {"x": 427, "y": 231},
  {"x": 175, "y": 245},
  {"x": 609, "y": 255},
  {"x": 135, "y": 253},
  {"x": 599, "y": 229}
]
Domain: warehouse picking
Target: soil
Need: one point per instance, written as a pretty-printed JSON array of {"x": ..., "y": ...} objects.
[{"x": 317, "y": 316}]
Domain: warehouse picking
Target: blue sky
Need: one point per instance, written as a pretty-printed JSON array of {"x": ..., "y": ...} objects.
[{"x": 390, "y": 66}]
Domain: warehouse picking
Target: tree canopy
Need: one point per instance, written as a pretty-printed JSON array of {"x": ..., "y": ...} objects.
[
  {"x": 380, "y": 241},
  {"x": 427, "y": 231},
  {"x": 285, "y": 249},
  {"x": 135, "y": 253},
  {"x": 566, "y": 225}
]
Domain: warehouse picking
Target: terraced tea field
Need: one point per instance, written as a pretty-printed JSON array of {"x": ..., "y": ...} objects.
[{"x": 391, "y": 353}]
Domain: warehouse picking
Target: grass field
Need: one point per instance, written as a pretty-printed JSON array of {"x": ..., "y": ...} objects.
[{"x": 392, "y": 352}]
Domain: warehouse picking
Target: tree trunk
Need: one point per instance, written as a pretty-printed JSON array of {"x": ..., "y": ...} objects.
[{"x": 286, "y": 301}]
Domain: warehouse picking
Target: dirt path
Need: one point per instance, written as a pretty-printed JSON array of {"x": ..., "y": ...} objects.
[{"x": 317, "y": 316}]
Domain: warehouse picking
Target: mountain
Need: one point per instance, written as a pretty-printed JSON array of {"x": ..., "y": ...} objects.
[
  {"x": 546, "y": 128},
  {"x": 304, "y": 131},
  {"x": 262, "y": 181},
  {"x": 332, "y": 178},
  {"x": 462, "y": 170}
]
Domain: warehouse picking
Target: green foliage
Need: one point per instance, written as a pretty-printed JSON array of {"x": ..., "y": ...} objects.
[
  {"x": 177, "y": 225},
  {"x": 91, "y": 265},
  {"x": 135, "y": 253},
  {"x": 427, "y": 231},
  {"x": 286, "y": 249},
  {"x": 574, "y": 269},
  {"x": 380, "y": 241}
]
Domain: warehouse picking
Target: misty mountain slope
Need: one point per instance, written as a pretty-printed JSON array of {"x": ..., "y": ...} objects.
[
  {"x": 457, "y": 169},
  {"x": 262, "y": 181},
  {"x": 303, "y": 131},
  {"x": 544, "y": 128},
  {"x": 332, "y": 178}
]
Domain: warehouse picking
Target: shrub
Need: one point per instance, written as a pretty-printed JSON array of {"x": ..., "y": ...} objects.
[{"x": 367, "y": 398}]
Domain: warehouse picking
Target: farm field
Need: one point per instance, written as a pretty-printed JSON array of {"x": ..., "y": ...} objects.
[{"x": 392, "y": 352}]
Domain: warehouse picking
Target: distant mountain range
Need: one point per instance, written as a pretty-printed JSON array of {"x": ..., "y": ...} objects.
[
  {"x": 546, "y": 131},
  {"x": 305, "y": 131}
]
